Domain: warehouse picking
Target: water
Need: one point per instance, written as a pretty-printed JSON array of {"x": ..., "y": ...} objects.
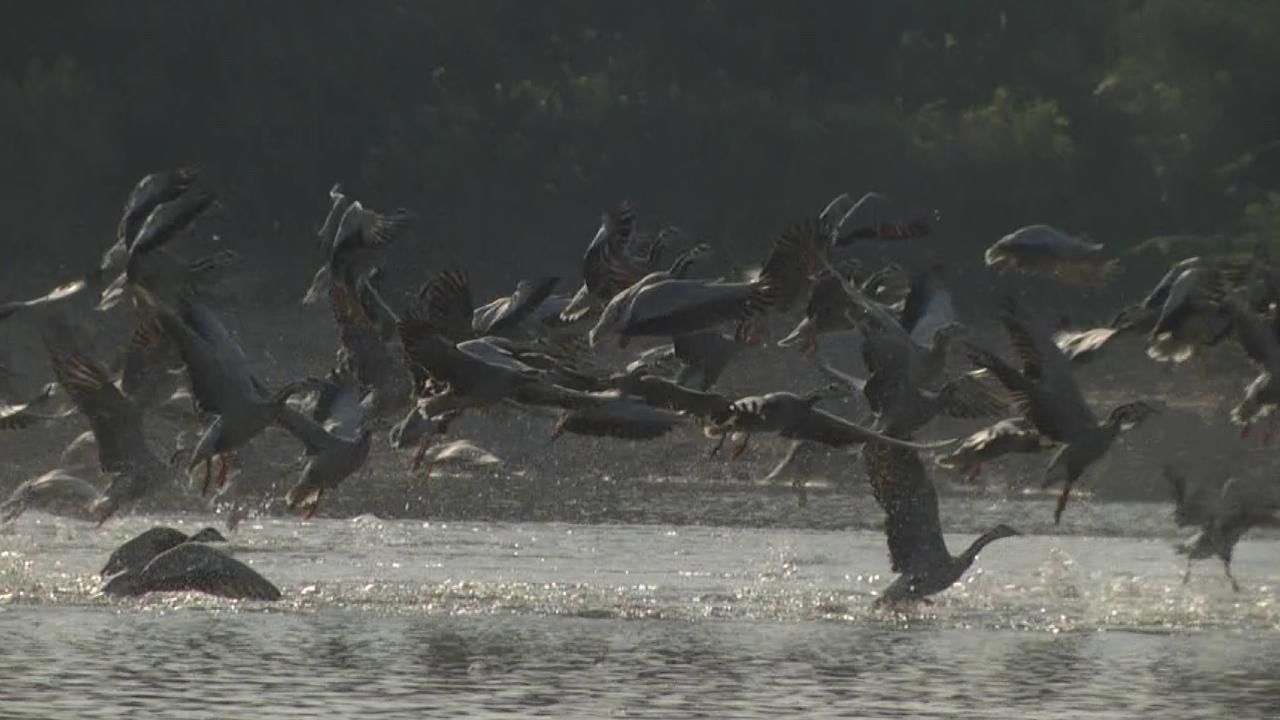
[{"x": 413, "y": 619}]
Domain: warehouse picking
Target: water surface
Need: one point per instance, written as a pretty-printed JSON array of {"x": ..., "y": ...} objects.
[{"x": 401, "y": 618}]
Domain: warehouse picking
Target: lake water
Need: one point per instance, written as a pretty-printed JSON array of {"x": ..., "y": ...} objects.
[{"x": 417, "y": 619}]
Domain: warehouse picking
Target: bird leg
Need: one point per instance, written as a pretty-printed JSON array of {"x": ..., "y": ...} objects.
[
  {"x": 1226, "y": 566},
  {"x": 1186, "y": 576},
  {"x": 208, "y": 476},
  {"x": 719, "y": 444},
  {"x": 223, "y": 466},
  {"x": 802, "y": 495},
  {"x": 419, "y": 453},
  {"x": 971, "y": 476},
  {"x": 1062, "y": 504},
  {"x": 740, "y": 448}
]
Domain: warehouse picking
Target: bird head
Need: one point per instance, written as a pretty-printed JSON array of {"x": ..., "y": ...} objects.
[
  {"x": 207, "y": 535},
  {"x": 125, "y": 583}
]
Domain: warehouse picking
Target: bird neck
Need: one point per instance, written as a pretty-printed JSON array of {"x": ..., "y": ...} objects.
[{"x": 970, "y": 554}]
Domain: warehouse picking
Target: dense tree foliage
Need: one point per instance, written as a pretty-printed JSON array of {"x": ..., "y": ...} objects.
[{"x": 507, "y": 126}]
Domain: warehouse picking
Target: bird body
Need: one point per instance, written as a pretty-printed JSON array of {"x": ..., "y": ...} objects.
[
  {"x": 193, "y": 566},
  {"x": 134, "y": 554},
  {"x": 56, "y": 492},
  {"x": 1045, "y": 392}
]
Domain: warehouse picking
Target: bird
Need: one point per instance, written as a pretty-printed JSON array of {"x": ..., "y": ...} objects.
[
  {"x": 1191, "y": 314},
  {"x": 193, "y": 566},
  {"x": 460, "y": 453},
  {"x": 124, "y": 453},
  {"x": 1045, "y": 392},
  {"x": 1223, "y": 517},
  {"x": 917, "y": 549},
  {"x": 57, "y": 492},
  {"x": 134, "y": 554},
  {"x": 1258, "y": 337},
  {"x": 621, "y": 302},
  {"x": 20, "y": 416},
  {"x": 61, "y": 292},
  {"x": 794, "y": 417},
  {"x": 616, "y": 415},
  {"x": 336, "y": 443},
  {"x": 1045, "y": 249},
  {"x": 616, "y": 258},
  {"x": 1012, "y": 435},
  {"x": 151, "y": 191},
  {"x": 221, "y": 382},
  {"x": 321, "y": 281}
]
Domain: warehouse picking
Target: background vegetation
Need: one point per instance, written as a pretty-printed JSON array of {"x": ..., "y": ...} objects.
[{"x": 508, "y": 126}]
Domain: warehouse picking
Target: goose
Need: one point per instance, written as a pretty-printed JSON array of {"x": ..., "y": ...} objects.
[
  {"x": 917, "y": 549},
  {"x": 222, "y": 384},
  {"x": 1223, "y": 518},
  {"x": 360, "y": 241},
  {"x": 1258, "y": 338},
  {"x": 621, "y": 302},
  {"x": 1045, "y": 249},
  {"x": 134, "y": 554},
  {"x": 193, "y": 566},
  {"x": 321, "y": 281},
  {"x": 115, "y": 421},
  {"x": 616, "y": 415},
  {"x": 1191, "y": 314},
  {"x": 795, "y": 417},
  {"x": 616, "y": 258},
  {"x": 1012, "y": 435},
  {"x": 863, "y": 220},
  {"x": 336, "y": 444},
  {"x": 61, "y": 292},
  {"x": 1045, "y": 392},
  {"x": 20, "y": 416},
  {"x": 57, "y": 492},
  {"x": 151, "y": 191},
  {"x": 460, "y": 453}
]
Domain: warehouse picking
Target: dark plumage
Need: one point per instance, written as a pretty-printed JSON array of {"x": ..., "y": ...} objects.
[
  {"x": 142, "y": 549},
  {"x": 193, "y": 566}
]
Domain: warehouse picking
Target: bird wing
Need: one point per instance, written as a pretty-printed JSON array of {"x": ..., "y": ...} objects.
[
  {"x": 445, "y": 302},
  {"x": 307, "y": 431},
  {"x": 151, "y": 191},
  {"x": 794, "y": 259},
  {"x": 905, "y": 492},
  {"x": 969, "y": 397},
  {"x": 821, "y": 426},
  {"x": 528, "y": 295},
  {"x": 23, "y": 415},
  {"x": 620, "y": 417},
  {"x": 1255, "y": 334},
  {"x": 216, "y": 365},
  {"x": 1057, "y": 406},
  {"x": 170, "y": 219},
  {"x": 61, "y": 292},
  {"x": 147, "y": 358},
  {"x": 673, "y": 307},
  {"x": 141, "y": 549},
  {"x": 708, "y": 351},
  {"x": 928, "y": 307},
  {"x": 115, "y": 421},
  {"x": 607, "y": 266},
  {"x": 195, "y": 566}
]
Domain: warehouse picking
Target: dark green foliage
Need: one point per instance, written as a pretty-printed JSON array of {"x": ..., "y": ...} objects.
[{"x": 508, "y": 126}]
